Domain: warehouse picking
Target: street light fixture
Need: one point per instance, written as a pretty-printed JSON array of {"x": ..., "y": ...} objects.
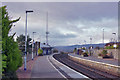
[{"x": 26, "y": 40}]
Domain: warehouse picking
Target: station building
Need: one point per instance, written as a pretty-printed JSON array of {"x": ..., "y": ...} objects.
[{"x": 47, "y": 49}]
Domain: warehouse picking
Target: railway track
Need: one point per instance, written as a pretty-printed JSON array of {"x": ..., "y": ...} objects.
[{"x": 86, "y": 70}]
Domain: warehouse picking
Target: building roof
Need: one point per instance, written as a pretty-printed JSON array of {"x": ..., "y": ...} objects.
[{"x": 42, "y": 45}]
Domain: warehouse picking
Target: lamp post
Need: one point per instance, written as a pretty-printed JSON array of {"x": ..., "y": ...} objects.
[
  {"x": 91, "y": 45},
  {"x": 103, "y": 36},
  {"x": 33, "y": 45},
  {"x": 115, "y": 41},
  {"x": 90, "y": 40},
  {"x": 85, "y": 42},
  {"x": 111, "y": 40},
  {"x": 26, "y": 41},
  {"x": 39, "y": 38},
  {"x": 114, "y": 37},
  {"x": 79, "y": 44}
]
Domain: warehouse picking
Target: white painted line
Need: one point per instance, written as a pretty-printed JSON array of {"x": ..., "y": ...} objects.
[
  {"x": 56, "y": 68},
  {"x": 70, "y": 68},
  {"x": 95, "y": 61}
]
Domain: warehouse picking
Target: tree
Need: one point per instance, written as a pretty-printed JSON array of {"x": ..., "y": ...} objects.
[
  {"x": 84, "y": 48},
  {"x": 21, "y": 42},
  {"x": 40, "y": 51},
  {"x": 75, "y": 50},
  {"x": 11, "y": 55},
  {"x": 97, "y": 47}
]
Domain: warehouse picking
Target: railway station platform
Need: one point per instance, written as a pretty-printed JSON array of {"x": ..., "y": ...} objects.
[
  {"x": 110, "y": 66},
  {"x": 43, "y": 69},
  {"x": 107, "y": 61},
  {"x": 48, "y": 67}
]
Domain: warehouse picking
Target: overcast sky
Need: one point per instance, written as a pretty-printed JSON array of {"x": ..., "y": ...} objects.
[{"x": 69, "y": 22}]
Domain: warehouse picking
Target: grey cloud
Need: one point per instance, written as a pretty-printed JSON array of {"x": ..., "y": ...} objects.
[
  {"x": 83, "y": 19},
  {"x": 57, "y": 34},
  {"x": 69, "y": 11}
]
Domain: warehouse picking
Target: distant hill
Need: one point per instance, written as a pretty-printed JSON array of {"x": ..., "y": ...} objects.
[{"x": 71, "y": 48}]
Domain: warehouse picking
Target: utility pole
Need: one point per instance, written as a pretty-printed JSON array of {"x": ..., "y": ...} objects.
[{"x": 47, "y": 29}]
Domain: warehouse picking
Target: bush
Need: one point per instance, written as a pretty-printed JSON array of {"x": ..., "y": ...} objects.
[
  {"x": 62, "y": 52},
  {"x": 84, "y": 48},
  {"x": 97, "y": 47},
  {"x": 14, "y": 56},
  {"x": 104, "y": 53},
  {"x": 75, "y": 50},
  {"x": 55, "y": 51},
  {"x": 85, "y": 54},
  {"x": 99, "y": 54},
  {"x": 109, "y": 47},
  {"x": 40, "y": 51},
  {"x": 80, "y": 52},
  {"x": 11, "y": 55}
]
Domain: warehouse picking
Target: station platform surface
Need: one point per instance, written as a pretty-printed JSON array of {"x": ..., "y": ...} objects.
[
  {"x": 48, "y": 67},
  {"x": 43, "y": 69},
  {"x": 105, "y": 60}
]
